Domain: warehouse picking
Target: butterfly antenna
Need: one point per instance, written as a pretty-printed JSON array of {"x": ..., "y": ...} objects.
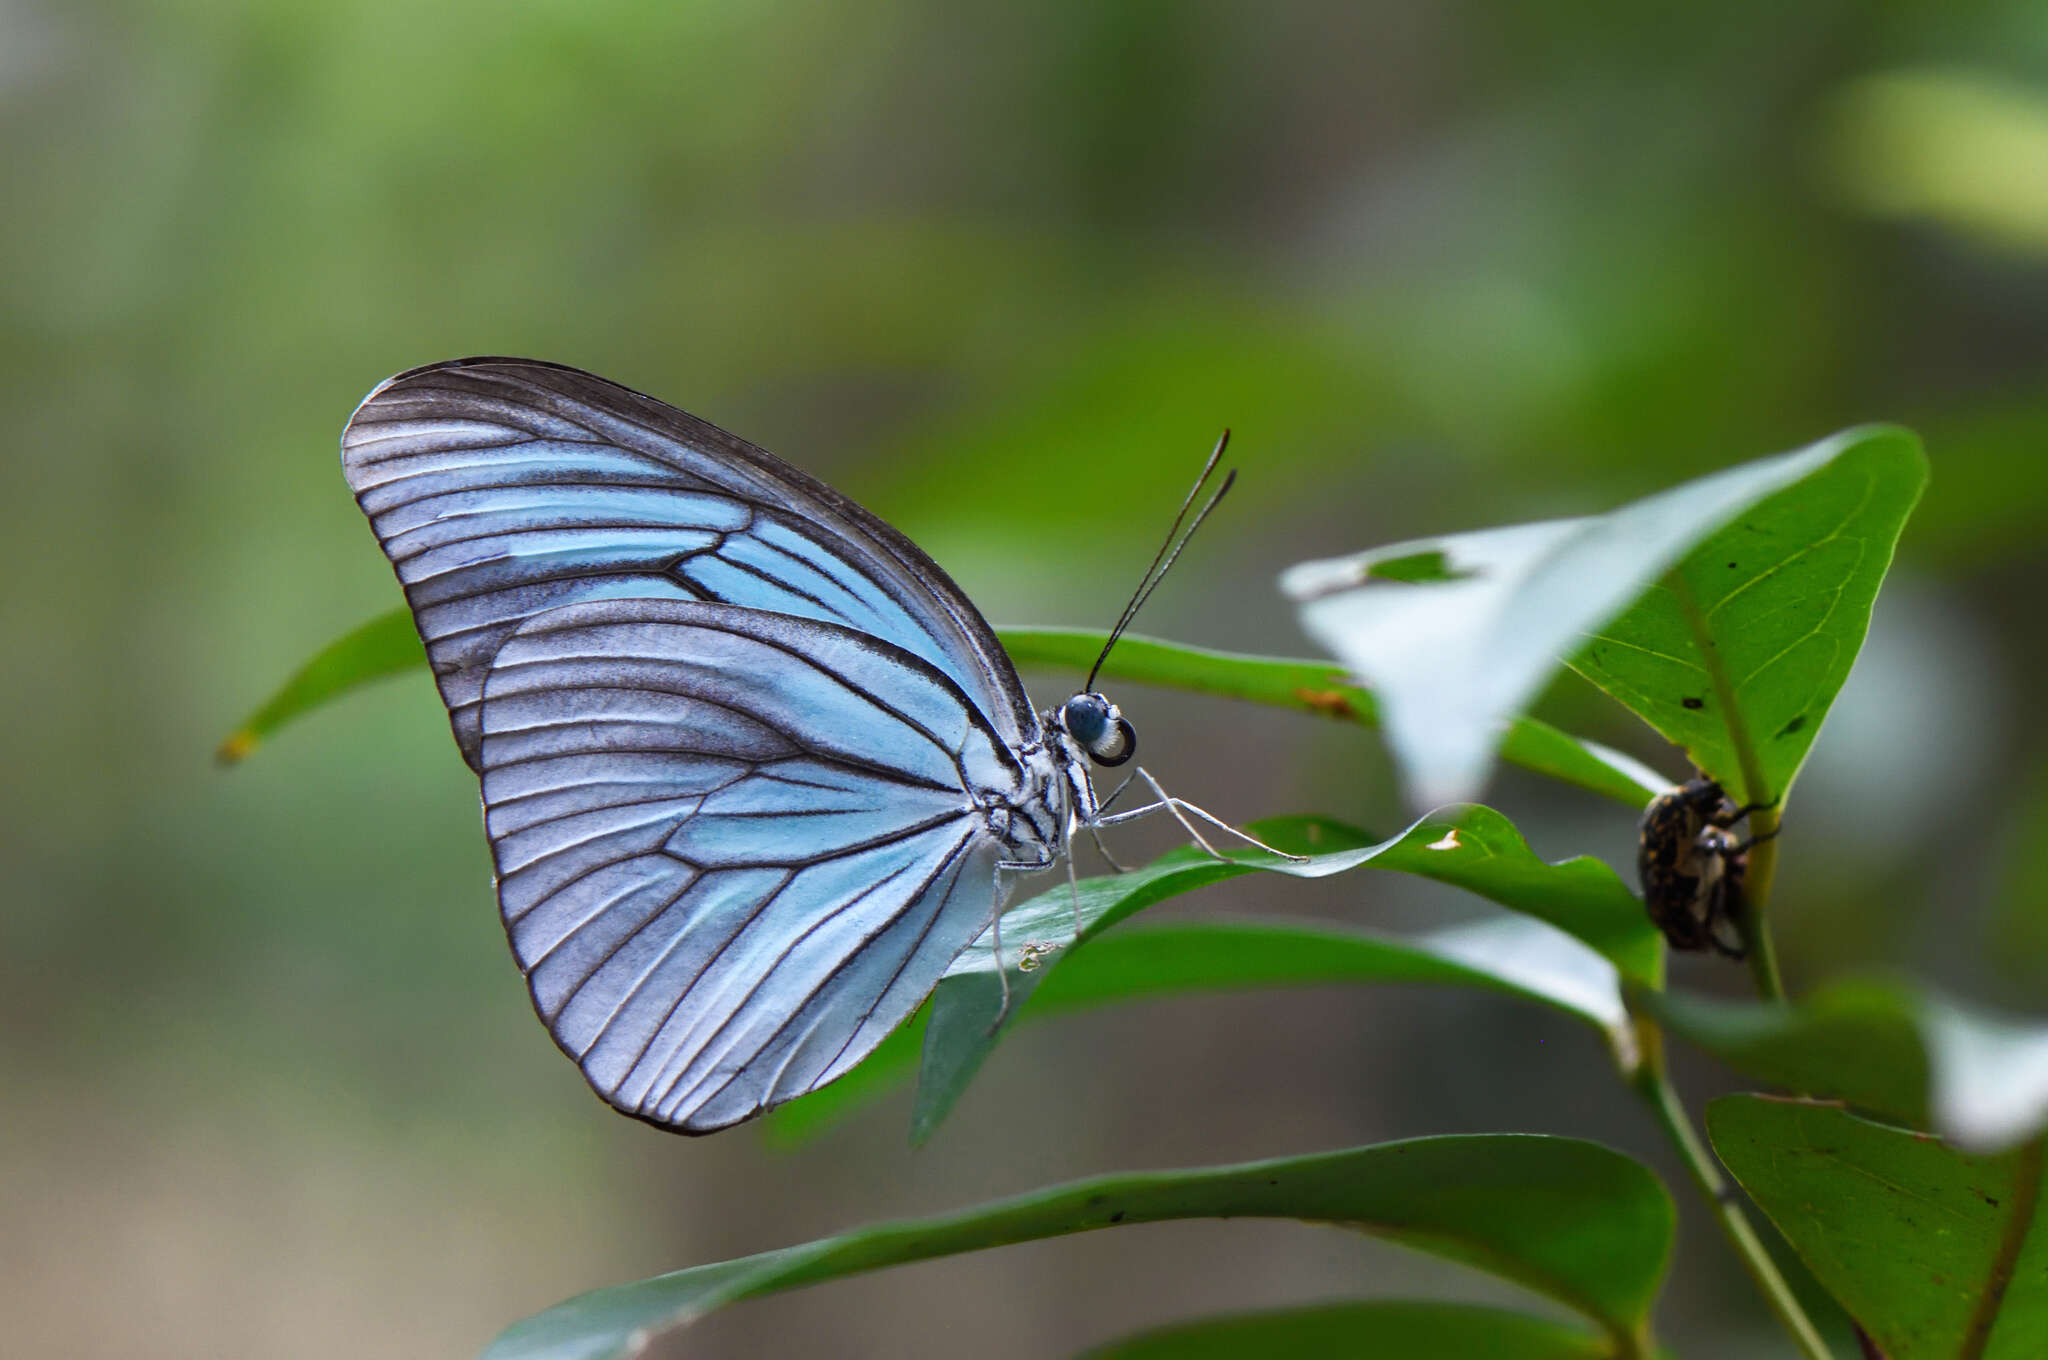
[
  {"x": 1229, "y": 480},
  {"x": 1172, "y": 531},
  {"x": 1169, "y": 551}
]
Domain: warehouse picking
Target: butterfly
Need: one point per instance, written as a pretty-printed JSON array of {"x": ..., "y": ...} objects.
[{"x": 754, "y": 770}]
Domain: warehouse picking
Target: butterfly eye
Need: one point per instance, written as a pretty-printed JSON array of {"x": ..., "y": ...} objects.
[
  {"x": 1102, "y": 732},
  {"x": 1086, "y": 718}
]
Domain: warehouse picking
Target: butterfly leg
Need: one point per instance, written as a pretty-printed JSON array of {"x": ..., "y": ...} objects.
[
  {"x": 1074, "y": 887},
  {"x": 1096, "y": 836},
  {"x": 1247, "y": 837},
  {"x": 1117, "y": 792},
  {"x": 1743, "y": 846},
  {"x": 1103, "y": 851},
  {"x": 1172, "y": 805},
  {"x": 995, "y": 924},
  {"x": 1179, "y": 807},
  {"x": 1002, "y": 974}
]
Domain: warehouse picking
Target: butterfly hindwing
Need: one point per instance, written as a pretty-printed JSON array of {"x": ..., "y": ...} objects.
[{"x": 734, "y": 849}]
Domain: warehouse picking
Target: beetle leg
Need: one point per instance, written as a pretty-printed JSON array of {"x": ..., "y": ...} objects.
[{"x": 1741, "y": 847}]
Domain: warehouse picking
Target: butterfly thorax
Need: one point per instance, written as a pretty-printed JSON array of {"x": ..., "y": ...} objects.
[
  {"x": 1086, "y": 728},
  {"x": 1030, "y": 818}
]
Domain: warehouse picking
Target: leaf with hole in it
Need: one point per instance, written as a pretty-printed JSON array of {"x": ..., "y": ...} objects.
[
  {"x": 1928, "y": 1248},
  {"x": 1744, "y": 645},
  {"x": 389, "y": 644},
  {"x": 1472, "y": 847},
  {"x": 1568, "y": 1219},
  {"x": 1385, "y": 1327},
  {"x": 1978, "y": 1079},
  {"x": 1457, "y": 634},
  {"x": 1510, "y": 956}
]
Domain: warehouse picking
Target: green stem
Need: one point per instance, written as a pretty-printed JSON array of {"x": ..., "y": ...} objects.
[
  {"x": 1652, "y": 1085},
  {"x": 1752, "y": 920},
  {"x": 1756, "y": 896}
]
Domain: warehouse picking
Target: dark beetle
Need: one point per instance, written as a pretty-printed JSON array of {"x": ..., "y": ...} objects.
[{"x": 1692, "y": 866}]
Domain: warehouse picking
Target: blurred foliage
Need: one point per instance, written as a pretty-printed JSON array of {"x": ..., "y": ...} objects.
[
  {"x": 1954, "y": 146},
  {"x": 1002, "y": 276}
]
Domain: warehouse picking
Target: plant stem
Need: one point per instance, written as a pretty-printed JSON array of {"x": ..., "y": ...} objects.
[
  {"x": 1652, "y": 1085},
  {"x": 1756, "y": 897}
]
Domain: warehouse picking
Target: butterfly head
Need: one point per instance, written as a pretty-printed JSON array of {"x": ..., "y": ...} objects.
[{"x": 1098, "y": 728}]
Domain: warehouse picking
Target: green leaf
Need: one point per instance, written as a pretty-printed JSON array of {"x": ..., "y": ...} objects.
[
  {"x": 1928, "y": 1248},
  {"x": 1396, "y": 1328},
  {"x": 1739, "y": 652},
  {"x": 1470, "y": 847},
  {"x": 1321, "y": 688},
  {"x": 1514, "y": 957},
  {"x": 386, "y": 645},
  {"x": 1978, "y": 1079},
  {"x": 389, "y": 644},
  {"x": 1511, "y": 956},
  {"x": 1454, "y": 655},
  {"x": 1568, "y": 1219}
]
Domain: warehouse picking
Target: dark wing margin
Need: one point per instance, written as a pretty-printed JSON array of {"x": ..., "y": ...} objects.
[
  {"x": 734, "y": 850},
  {"x": 503, "y": 487}
]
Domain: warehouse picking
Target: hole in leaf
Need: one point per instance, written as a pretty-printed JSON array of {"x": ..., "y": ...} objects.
[{"x": 1421, "y": 568}]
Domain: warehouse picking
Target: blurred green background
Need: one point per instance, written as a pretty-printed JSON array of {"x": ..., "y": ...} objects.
[{"x": 269, "y": 1083}]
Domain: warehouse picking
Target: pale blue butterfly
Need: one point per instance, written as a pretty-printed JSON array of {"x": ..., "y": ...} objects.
[{"x": 754, "y": 770}]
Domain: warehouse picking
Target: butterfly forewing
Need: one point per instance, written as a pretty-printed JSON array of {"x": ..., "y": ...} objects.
[
  {"x": 502, "y": 487},
  {"x": 739, "y": 741}
]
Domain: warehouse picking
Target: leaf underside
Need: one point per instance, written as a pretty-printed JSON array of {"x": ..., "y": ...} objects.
[
  {"x": 1395, "y": 1328},
  {"x": 1565, "y": 1218},
  {"x": 1775, "y": 563},
  {"x": 1138, "y": 961},
  {"x": 1936, "y": 1253},
  {"x": 1473, "y": 847}
]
